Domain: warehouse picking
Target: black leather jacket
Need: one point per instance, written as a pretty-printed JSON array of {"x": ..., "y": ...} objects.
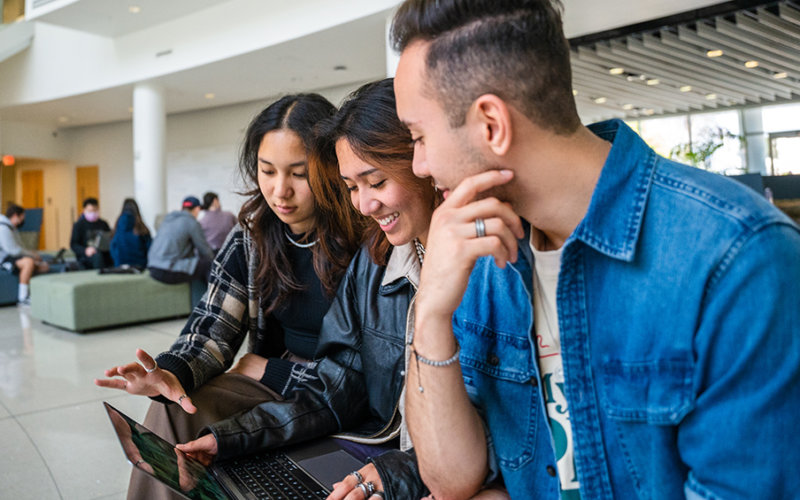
[{"x": 355, "y": 387}]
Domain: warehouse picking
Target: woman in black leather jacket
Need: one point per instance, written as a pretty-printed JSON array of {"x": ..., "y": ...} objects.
[{"x": 355, "y": 388}]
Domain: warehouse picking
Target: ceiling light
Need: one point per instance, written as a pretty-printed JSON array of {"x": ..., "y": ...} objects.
[
  {"x": 686, "y": 88},
  {"x": 630, "y": 78},
  {"x": 627, "y": 107},
  {"x": 616, "y": 71},
  {"x": 780, "y": 75},
  {"x": 648, "y": 111},
  {"x": 751, "y": 64},
  {"x": 574, "y": 92},
  {"x": 134, "y": 9},
  {"x": 209, "y": 96},
  {"x": 600, "y": 100},
  {"x": 711, "y": 96},
  {"x": 653, "y": 81},
  {"x": 340, "y": 67},
  {"x": 63, "y": 119},
  {"x": 130, "y": 109},
  {"x": 714, "y": 53}
]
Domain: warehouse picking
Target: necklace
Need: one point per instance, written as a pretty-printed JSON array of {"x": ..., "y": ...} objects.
[
  {"x": 420, "y": 250},
  {"x": 300, "y": 245}
]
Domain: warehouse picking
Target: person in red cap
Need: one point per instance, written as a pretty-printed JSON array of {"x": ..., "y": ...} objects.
[{"x": 180, "y": 252}]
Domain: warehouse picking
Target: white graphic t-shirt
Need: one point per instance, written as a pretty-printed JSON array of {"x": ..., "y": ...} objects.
[{"x": 548, "y": 345}]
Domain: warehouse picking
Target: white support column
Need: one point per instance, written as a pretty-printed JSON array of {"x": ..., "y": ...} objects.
[
  {"x": 392, "y": 57},
  {"x": 753, "y": 131},
  {"x": 149, "y": 142}
]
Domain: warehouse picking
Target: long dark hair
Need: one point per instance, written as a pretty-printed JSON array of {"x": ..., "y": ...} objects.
[
  {"x": 368, "y": 122},
  {"x": 336, "y": 224},
  {"x": 130, "y": 206}
]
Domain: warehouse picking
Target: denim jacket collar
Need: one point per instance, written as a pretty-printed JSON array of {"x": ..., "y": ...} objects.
[{"x": 614, "y": 219}]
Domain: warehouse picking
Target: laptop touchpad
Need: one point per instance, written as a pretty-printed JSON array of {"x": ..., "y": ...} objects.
[{"x": 330, "y": 467}]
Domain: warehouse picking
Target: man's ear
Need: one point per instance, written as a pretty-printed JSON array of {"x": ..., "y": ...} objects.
[{"x": 492, "y": 118}]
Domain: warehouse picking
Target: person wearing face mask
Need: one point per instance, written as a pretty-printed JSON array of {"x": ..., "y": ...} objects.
[
  {"x": 90, "y": 237},
  {"x": 14, "y": 257}
]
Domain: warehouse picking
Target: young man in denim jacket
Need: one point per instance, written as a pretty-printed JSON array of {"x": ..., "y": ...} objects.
[{"x": 644, "y": 339}]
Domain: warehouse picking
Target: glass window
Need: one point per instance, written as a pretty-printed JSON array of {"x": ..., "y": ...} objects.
[
  {"x": 716, "y": 142},
  {"x": 665, "y": 134}
]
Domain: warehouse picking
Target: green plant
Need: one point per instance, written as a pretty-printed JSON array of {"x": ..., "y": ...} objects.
[{"x": 699, "y": 153}]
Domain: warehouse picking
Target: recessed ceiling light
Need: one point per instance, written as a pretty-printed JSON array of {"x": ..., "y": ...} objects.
[
  {"x": 653, "y": 81},
  {"x": 780, "y": 75},
  {"x": 63, "y": 119},
  {"x": 340, "y": 67},
  {"x": 574, "y": 92},
  {"x": 616, "y": 71},
  {"x": 714, "y": 53},
  {"x": 209, "y": 95},
  {"x": 686, "y": 88},
  {"x": 711, "y": 96},
  {"x": 648, "y": 111},
  {"x": 600, "y": 100},
  {"x": 134, "y": 9},
  {"x": 751, "y": 64},
  {"x": 627, "y": 107}
]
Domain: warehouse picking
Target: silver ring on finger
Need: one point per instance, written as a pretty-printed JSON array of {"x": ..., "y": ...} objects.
[
  {"x": 180, "y": 399},
  {"x": 379, "y": 494},
  {"x": 358, "y": 476},
  {"x": 367, "y": 489},
  {"x": 151, "y": 370},
  {"x": 480, "y": 228}
]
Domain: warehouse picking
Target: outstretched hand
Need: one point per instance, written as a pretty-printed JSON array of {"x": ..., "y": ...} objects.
[{"x": 145, "y": 378}]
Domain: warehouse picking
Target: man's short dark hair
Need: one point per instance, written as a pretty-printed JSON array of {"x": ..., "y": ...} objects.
[
  {"x": 14, "y": 209},
  {"x": 514, "y": 49},
  {"x": 90, "y": 201}
]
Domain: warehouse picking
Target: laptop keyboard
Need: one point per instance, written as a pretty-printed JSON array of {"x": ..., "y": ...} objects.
[{"x": 273, "y": 475}]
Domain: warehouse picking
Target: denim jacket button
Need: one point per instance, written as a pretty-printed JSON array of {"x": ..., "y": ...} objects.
[
  {"x": 494, "y": 360},
  {"x": 534, "y": 381},
  {"x": 551, "y": 470}
]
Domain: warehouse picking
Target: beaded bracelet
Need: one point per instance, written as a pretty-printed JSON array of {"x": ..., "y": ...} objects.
[{"x": 449, "y": 361}]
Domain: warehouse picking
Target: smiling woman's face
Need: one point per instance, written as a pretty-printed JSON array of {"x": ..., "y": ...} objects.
[
  {"x": 283, "y": 179},
  {"x": 401, "y": 213}
]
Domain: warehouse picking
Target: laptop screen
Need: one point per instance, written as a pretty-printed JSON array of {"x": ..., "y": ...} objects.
[{"x": 158, "y": 458}]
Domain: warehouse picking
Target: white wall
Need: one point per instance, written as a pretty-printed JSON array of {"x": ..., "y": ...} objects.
[{"x": 202, "y": 155}]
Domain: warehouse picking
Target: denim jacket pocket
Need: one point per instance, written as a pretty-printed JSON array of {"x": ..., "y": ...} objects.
[
  {"x": 655, "y": 392},
  {"x": 497, "y": 373}
]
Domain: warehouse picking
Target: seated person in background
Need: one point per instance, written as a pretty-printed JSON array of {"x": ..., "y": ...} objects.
[
  {"x": 89, "y": 238},
  {"x": 216, "y": 223},
  {"x": 131, "y": 239},
  {"x": 13, "y": 256},
  {"x": 180, "y": 252}
]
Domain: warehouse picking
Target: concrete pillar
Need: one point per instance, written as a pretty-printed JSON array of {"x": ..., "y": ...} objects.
[
  {"x": 149, "y": 158},
  {"x": 757, "y": 149},
  {"x": 392, "y": 57}
]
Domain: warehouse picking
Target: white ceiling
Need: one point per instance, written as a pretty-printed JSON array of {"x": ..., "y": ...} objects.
[{"x": 299, "y": 65}]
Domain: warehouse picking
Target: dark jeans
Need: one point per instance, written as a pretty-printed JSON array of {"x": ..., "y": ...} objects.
[{"x": 99, "y": 260}]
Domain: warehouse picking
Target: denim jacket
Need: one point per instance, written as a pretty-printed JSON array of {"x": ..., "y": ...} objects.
[{"x": 679, "y": 311}]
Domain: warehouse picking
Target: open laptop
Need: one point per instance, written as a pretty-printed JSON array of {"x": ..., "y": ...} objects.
[{"x": 297, "y": 472}]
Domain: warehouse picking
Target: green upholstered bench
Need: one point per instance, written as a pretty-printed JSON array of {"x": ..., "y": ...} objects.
[{"x": 86, "y": 300}]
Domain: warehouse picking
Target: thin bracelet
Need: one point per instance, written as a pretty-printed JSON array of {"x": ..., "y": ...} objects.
[{"x": 431, "y": 362}]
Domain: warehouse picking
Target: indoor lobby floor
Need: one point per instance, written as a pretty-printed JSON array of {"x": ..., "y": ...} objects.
[{"x": 56, "y": 441}]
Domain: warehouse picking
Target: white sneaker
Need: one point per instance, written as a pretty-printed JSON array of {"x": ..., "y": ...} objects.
[{"x": 25, "y": 303}]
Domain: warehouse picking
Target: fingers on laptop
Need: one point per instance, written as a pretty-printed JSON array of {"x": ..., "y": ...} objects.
[{"x": 347, "y": 488}]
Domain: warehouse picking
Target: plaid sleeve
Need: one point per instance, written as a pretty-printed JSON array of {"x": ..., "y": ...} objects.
[{"x": 221, "y": 320}]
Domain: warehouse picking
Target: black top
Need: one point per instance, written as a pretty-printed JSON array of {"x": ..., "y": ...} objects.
[
  {"x": 82, "y": 231},
  {"x": 300, "y": 316}
]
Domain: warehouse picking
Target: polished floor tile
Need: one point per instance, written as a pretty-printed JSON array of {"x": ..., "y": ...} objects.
[
  {"x": 55, "y": 438},
  {"x": 23, "y": 472}
]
